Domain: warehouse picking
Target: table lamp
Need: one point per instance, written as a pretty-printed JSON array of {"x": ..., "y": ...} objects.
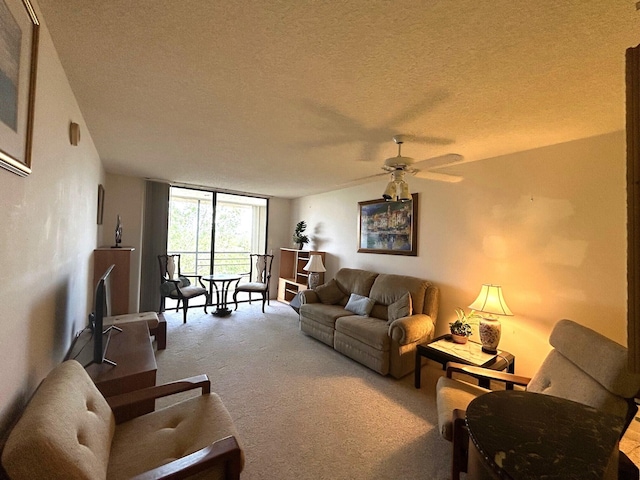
[
  {"x": 314, "y": 266},
  {"x": 490, "y": 302}
]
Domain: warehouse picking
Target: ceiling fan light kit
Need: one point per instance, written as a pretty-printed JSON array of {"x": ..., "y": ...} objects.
[{"x": 397, "y": 189}]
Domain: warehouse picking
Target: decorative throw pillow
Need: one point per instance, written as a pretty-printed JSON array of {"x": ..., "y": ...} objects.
[
  {"x": 184, "y": 281},
  {"x": 359, "y": 305},
  {"x": 329, "y": 293},
  {"x": 400, "y": 308}
]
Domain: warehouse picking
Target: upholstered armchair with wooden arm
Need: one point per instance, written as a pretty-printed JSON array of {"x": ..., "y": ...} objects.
[
  {"x": 68, "y": 431},
  {"x": 583, "y": 366}
]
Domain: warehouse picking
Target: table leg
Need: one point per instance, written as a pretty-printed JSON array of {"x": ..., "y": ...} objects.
[{"x": 418, "y": 370}]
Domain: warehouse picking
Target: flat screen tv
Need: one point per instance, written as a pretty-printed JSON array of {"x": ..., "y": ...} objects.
[{"x": 101, "y": 309}]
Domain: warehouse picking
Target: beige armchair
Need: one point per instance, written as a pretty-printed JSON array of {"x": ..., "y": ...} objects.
[
  {"x": 68, "y": 431},
  {"x": 584, "y": 366}
]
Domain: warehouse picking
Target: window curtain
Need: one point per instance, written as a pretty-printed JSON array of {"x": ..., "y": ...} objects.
[
  {"x": 633, "y": 206},
  {"x": 154, "y": 242}
]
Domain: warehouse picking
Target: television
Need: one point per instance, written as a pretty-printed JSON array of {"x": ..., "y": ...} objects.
[{"x": 101, "y": 309}]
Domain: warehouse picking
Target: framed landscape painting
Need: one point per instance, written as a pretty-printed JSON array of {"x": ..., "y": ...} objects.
[
  {"x": 388, "y": 227},
  {"x": 19, "y": 30}
]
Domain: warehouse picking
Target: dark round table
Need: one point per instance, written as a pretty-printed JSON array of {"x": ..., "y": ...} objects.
[{"x": 524, "y": 435}]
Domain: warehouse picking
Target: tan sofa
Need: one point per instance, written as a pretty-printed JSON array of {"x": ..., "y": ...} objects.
[{"x": 384, "y": 338}]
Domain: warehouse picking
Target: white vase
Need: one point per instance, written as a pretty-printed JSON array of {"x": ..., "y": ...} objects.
[{"x": 490, "y": 330}]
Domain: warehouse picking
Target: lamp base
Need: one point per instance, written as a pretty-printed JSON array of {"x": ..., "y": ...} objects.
[
  {"x": 490, "y": 331},
  {"x": 314, "y": 280}
]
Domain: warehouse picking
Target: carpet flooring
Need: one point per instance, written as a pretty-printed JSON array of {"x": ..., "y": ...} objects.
[{"x": 302, "y": 410}]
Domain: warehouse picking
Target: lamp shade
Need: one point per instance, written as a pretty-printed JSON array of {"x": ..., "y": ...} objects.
[
  {"x": 490, "y": 300},
  {"x": 314, "y": 264}
]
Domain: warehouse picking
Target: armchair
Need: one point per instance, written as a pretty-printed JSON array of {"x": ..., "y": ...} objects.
[
  {"x": 584, "y": 366},
  {"x": 173, "y": 284},
  {"x": 68, "y": 431},
  {"x": 258, "y": 279}
]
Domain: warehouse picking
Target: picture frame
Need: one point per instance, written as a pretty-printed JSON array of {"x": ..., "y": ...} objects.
[
  {"x": 100, "y": 204},
  {"x": 388, "y": 227},
  {"x": 19, "y": 36}
]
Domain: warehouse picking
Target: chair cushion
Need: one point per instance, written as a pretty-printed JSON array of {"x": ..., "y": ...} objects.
[
  {"x": 252, "y": 287},
  {"x": 606, "y": 360},
  {"x": 453, "y": 394},
  {"x": 165, "y": 435},
  {"x": 560, "y": 377},
  {"x": 189, "y": 292},
  {"x": 359, "y": 304},
  {"x": 65, "y": 431}
]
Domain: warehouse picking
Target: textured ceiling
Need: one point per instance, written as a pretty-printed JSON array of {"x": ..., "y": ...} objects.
[{"x": 289, "y": 98}]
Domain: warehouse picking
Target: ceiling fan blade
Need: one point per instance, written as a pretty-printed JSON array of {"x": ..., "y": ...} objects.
[
  {"x": 438, "y": 162},
  {"x": 440, "y": 177},
  {"x": 360, "y": 181}
]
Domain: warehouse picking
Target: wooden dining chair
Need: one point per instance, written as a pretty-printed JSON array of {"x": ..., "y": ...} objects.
[
  {"x": 259, "y": 276},
  {"x": 175, "y": 285}
]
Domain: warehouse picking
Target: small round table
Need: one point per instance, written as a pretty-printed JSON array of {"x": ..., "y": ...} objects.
[
  {"x": 523, "y": 435},
  {"x": 221, "y": 282}
]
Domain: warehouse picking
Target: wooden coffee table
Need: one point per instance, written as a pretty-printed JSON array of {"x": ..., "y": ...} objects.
[{"x": 444, "y": 350}]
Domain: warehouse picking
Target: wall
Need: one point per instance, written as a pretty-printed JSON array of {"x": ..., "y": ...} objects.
[
  {"x": 549, "y": 225},
  {"x": 124, "y": 196},
  {"x": 47, "y": 238}
]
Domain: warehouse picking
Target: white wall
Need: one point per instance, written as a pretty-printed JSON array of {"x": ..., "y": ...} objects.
[
  {"x": 47, "y": 239},
  {"x": 549, "y": 225},
  {"x": 124, "y": 196}
]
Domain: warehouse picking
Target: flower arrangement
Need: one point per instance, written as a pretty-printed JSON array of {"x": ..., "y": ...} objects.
[
  {"x": 461, "y": 327},
  {"x": 300, "y": 238}
]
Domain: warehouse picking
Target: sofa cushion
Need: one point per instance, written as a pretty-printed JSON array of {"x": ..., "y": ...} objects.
[
  {"x": 400, "y": 308},
  {"x": 359, "y": 304},
  {"x": 370, "y": 331},
  {"x": 323, "y": 314},
  {"x": 329, "y": 293},
  {"x": 387, "y": 289},
  {"x": 351, "y": 280}
]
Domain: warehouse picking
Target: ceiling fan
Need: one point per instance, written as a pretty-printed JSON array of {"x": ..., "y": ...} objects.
[{"x": 398, "y": 166}]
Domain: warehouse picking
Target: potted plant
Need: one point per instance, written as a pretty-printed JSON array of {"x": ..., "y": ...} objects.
[
  {"x": 461, "y": 327},
  {"x": 300, "y": 238}
]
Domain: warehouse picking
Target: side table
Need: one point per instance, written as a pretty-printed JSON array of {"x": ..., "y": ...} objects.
[
  {"x": 225, "y": 280},
  {"x": 444, "y": 350}
]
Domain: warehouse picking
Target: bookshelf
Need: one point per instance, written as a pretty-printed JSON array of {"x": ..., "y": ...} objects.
[{"x": 293, "y": 278}]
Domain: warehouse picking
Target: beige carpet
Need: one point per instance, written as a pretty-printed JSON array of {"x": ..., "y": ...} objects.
[{"x": 302, "y": 410}]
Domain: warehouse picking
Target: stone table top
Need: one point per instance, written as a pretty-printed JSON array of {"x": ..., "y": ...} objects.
[{"x": 524, "y": 435}]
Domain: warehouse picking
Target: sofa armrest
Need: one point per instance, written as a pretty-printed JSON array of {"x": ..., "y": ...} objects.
[
  {"x": 226, "y": 449},
  {"x": 411, "y": 329},
  {"x": 308, "y": 296},
  {"x": 159, "y": 391}
]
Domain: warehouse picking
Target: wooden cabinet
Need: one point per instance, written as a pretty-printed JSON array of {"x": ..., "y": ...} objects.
[
  {"x": 293, "y": 278},
  {"x": 121, "y": 258}
]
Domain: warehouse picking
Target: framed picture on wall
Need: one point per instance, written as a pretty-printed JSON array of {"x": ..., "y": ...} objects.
[
  {"x": 19, "y": 32},
  {"x": 100, "y": 204},
  {"x": 388, "y": 227}
]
